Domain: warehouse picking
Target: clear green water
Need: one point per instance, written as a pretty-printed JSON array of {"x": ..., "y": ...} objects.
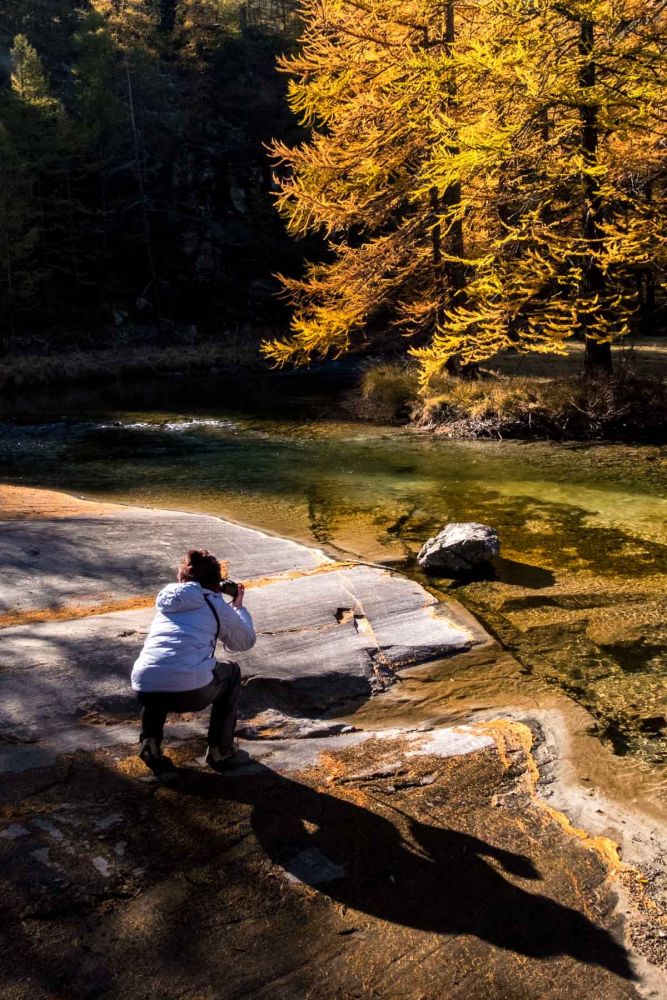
[{"x": 579, "y": 594}]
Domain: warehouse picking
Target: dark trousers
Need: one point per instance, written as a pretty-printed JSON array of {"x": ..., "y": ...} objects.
[{"x": 222, "y": 694}]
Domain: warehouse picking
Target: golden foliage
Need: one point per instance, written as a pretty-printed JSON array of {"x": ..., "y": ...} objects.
[{"x": 487, "y": 174}]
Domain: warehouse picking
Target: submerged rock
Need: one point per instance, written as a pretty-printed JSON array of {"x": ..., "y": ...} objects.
[{"x": 459, "y": 547}]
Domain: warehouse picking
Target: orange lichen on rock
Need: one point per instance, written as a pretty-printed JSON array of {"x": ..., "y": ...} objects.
[
  {"x": 28, "y": 504},
  {"x": 297, "y": 574},
  {"x": 511, "y": 737},
  {"x": 69, "y": 612},
  {"x": 604, "y": 846}
]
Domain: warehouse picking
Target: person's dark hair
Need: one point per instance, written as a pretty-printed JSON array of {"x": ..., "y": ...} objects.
[{"x": 201, "y": 567}]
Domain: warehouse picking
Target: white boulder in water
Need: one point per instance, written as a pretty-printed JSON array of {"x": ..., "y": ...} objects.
[{"x": 459, "y": 547}]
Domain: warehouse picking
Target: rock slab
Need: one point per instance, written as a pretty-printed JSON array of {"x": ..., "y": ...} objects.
[
  {"x": 328, "y": 633},
  {"x": 399, "y": 863},
  {"x": 59, "y": 562}
]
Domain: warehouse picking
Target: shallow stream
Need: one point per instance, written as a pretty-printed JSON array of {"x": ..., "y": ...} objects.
[{"x": 579, "y": 595}]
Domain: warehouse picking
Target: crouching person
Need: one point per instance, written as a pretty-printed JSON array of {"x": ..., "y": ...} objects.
[{"x": 176, "y": 670}]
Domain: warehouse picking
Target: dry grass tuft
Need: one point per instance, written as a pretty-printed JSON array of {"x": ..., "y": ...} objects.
[
  {"x": 388, "y": 392},
  {"x": 625, "y": 406},
  {"x": 630, "y": 404}
]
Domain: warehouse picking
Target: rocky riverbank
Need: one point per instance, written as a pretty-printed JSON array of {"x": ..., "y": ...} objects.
[{"x": 384, "y": 836}]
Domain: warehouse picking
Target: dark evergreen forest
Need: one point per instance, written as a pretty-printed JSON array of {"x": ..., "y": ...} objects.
[{"x": 136, "y": 189}]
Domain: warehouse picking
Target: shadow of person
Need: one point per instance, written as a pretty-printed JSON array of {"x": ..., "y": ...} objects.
[{"x": 410, "y": 873}]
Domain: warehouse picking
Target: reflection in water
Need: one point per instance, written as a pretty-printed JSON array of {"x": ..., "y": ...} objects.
[{"x": 578, "y": 595}]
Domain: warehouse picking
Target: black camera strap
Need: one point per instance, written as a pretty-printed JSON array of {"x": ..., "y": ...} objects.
[{"x": 217, "y": 619}]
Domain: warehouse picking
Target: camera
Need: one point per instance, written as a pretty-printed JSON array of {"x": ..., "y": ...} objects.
[{"x": 230, "y": 588}]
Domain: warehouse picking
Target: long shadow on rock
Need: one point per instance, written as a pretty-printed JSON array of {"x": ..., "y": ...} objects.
[{"x": 446, "y": 882}]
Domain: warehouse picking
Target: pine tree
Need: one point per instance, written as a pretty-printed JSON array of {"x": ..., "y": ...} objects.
[
  {"x": 95, "y": 70},
  {"x": 134, "y": 27},
  {"x": 19, "y": 234},
  {"x": 31, "y": 120},
  {"x": 30, "y": 86},
  {"x": 28, "y": 79}
]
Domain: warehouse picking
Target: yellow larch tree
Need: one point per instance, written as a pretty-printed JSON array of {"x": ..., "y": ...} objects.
[
  {"x": 580, "y": 188},
  {"x": 375, "y": 80},
  {"x": 488, "y": 174}
]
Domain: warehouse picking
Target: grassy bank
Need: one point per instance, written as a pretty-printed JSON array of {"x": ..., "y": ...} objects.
[
  {"x": 228, "y": 351},
  {"x": 515, "y": 397}
]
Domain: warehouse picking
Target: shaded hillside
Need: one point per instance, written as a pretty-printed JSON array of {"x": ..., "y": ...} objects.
[{"x": 136, "y": 189}]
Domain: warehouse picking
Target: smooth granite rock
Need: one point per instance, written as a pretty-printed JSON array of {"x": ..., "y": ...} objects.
[
  {"x": 329, "y": 859},
  {"x": 56, "y": 562},
  {"x": 459, "y": 547},
  {"x": 327, "y": 633}
]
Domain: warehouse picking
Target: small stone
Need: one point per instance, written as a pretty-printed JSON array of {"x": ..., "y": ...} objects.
[
  {"x": 108, "y": 821},
  {"x": 654, "y": 724},
  {"x": 48, "y": 827},
  {"x": 102, "y": 866},
  {"x": 13, "y": 831},
  {"x": 312, "y": 867}
]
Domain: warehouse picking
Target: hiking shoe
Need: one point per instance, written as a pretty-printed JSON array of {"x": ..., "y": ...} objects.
[
  {"x": 221, "y": 757},
  {"x": 152, "y": 756}
]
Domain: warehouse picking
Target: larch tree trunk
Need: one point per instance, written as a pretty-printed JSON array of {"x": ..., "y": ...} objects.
[{"x": 597, "y": 359}]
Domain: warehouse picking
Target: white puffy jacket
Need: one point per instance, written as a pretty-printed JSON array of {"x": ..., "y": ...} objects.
[{"x": 179, "y": 651}]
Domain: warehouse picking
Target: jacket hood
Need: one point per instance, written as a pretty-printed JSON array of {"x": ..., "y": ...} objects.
[{"x": 177, "y": 597}]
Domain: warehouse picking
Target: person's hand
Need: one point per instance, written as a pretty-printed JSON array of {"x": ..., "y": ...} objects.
[{"x": 238, "y": 600}]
